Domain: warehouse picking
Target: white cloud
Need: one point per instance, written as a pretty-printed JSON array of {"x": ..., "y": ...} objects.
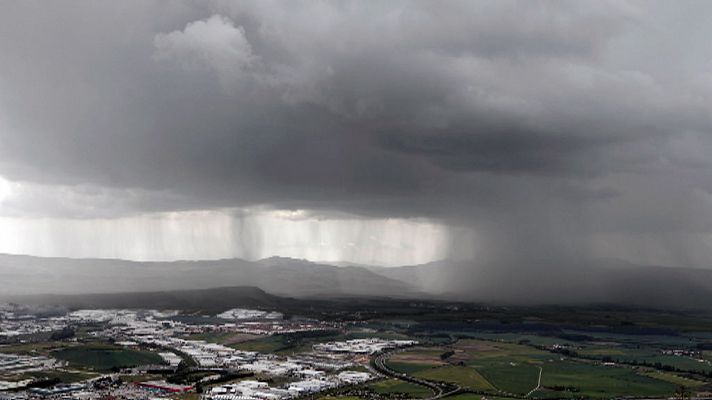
[
  {"x": 214, "y": 43},
  {"x": 5, "y": 189}
]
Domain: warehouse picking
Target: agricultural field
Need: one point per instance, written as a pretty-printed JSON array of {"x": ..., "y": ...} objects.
[
  {"x": 474, "y": 396},
  {"x": 393, "y": 386},
  {"x": 574, "y": 379},
  {"x": 483, "y": 352},
  {"x": 520, "y": 338},
  {"x": 674, "y": 379},
  {"x": 408, "y": 368},
  {"x": 510, "y": 377},
  {"x": 489, "y": 359},
  {"x": 504, "y": 368},
  {"x": 648, "y": 356},
  {"x": 475, "y": 364},
  {"x": 267, "y": 344},
  {"x": 339, "y": 398},
  {"x": 466, "y": 377},
  {"x": 41, "y": 348},
  {"x": 508, "y": 367},
  {"x": 186, "y": 396},
  {"x": 62, "y": 376},
  {"x": 634, "y": 350},
  {"x": 418, "y": 359},
  {"x": 104, "y": 357}
]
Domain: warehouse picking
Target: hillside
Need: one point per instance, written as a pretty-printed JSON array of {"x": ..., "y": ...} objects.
[
  {"x": 36, "y": 275},
  {"x": 542, "y": 282},
  {"x": 216, "y": 299}
]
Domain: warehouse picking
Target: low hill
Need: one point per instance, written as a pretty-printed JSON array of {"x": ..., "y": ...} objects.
[
  {"x": 534, "y": 282},
  {"x": 285, "y": 277},
  {"x": 215, "y": 299}
]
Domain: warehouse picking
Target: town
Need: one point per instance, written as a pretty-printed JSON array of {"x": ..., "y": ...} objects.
[
  {"x": 348, "y": 349},
  {"x": 182, "y": 363}
]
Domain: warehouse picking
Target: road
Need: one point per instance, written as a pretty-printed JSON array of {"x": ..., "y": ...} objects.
[
  {"x": 538, "y": 384},
  {"x": 439, "y": 390}
]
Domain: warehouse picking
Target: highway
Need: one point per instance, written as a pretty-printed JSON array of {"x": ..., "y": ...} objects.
[{"x": 439, "y": 390}]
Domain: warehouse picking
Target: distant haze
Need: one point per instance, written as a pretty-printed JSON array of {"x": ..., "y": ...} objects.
[
  {"x": 521, "y": 137},
  {"x": 24, "y": 278},
  {"x": 218, "y": 234}
]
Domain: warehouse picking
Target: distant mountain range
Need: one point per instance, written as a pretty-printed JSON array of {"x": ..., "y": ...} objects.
[
  {"x": 279, "y": 276},
  {"x": 538, "y": 282},
  {"x": 215, "y": 299}
]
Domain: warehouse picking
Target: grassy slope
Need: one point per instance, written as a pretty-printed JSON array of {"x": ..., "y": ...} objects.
[
  {"x": 463, "y": 376},
  {"x": 105, "y": 357},
  {"x": 598, "y": 381},
  {"x": 398, "y": 386}
]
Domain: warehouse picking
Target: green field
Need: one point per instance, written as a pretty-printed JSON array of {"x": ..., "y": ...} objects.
[
  {"x": 622, "y": 348},
  {"x": 408, "y": 368},
  {"x": 104, "y": 357},
  {"x": 268, "y": 344},
  {"x": 212, "y": 337},
  {"x": 63, "y": 376},
  {"x": 339, "y": 398},
  {"x": 519, "y": 338},
  {"x": 479, "y": 365},
  {"x": 482, "y": 350},
  {"x": 674, "y": 379},
  {"x": 506, "y": 367},
  {"x": 681, "y": 363},
  {"x": 474, "y": 396},
  {"x": 186, "y": 396},
  {"x": 466, "y": 377},
  {"x": 647, "y": 355},
  {"x": 510, "y": 377},
  {"x": 31, "y": 348},
  {"x": 389, "y": 386},
  {"x": 571, "y": 379}
]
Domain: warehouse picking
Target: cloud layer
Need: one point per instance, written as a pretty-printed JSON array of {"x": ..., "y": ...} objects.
[{"x": 553, "y": 129}]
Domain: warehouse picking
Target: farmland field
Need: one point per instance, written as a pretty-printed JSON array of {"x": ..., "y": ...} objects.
[
  {"x": 510, "y": 377},
  {"x": 266, "y": 345},
  {"x": 675, "y": 379},
  {"x": 396, "y": 386},
  {"x": 408, "y": 368},
  {"x": 505, "y": 367},
  {"x": 463, "y": 376},
  {"x": 105, "y": 357},
  {"x": 62, "y": 376},
  {"x": 421, "y": 355},
  {"x": 579, "y": 379},
  {"x": 339, "y": 398}
]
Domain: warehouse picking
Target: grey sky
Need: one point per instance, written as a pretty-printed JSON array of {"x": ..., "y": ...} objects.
[{"x": 552, "y": 129}]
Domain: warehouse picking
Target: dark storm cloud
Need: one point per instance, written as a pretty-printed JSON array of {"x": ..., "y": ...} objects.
[
  {"x": 525, "y": 119},
  {"x": 509, "y": 151}
]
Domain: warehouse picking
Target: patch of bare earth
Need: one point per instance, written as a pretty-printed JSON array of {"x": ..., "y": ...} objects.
[
  {"x": 415, "y": 357},
  {"x": 476, "y": 346},
  {"x": 241, "y": 337}
]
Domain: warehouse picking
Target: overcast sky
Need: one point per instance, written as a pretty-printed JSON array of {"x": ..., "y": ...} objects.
[{"x": 375, "y": 132}]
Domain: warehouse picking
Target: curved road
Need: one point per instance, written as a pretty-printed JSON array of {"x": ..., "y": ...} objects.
[{"x": 439, "y": 390}]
